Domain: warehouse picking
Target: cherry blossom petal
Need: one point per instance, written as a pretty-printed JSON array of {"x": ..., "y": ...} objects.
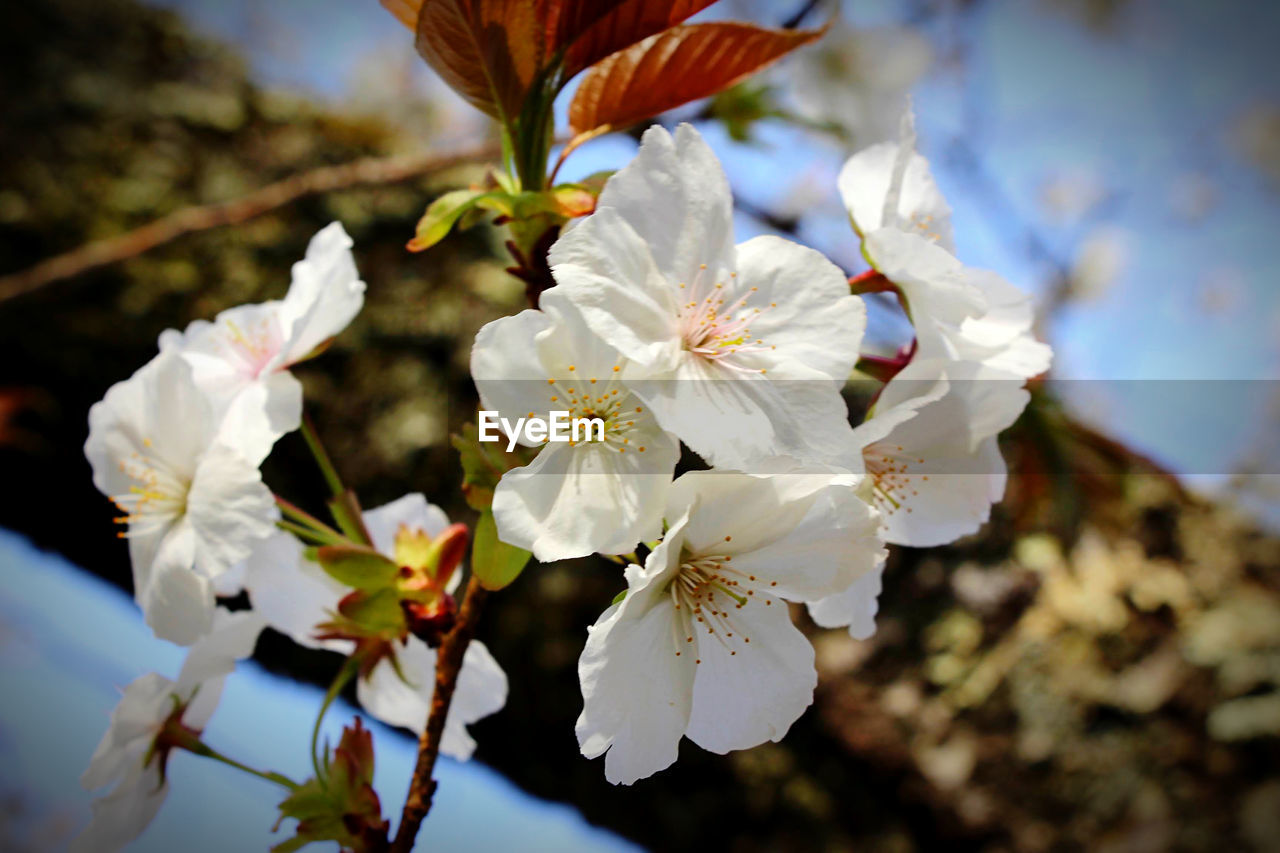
[
  {"x": 293, "y": 594},
  {"x": 637, "y": 693},
  {"x": 936, "y": 285},
  {"x": 144, "y": 702},
  {"x": 572, "y": 501},
  {"x": 506, "y": 368},
  {"x": 864, "y": 185},
  {"x": 325, "y": 296},
  {"x": 178, "y": 604},
  {"x": 855, "y": 607},
  {"x": 481, "y": 690},
  {"x": 609, "y": 274},
  {"x": 747, "y": 693},
  {"x": 122, "y": 815},
  {"x": 229, "y": 508},
  {"x": 806, "y": 314},
  {"x": 231, "y": 638},
  {"x": 676, "y": 197}
]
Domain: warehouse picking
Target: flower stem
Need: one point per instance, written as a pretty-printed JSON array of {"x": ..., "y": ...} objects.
[
  {"x": 871, "y": 281},
  {"x": 349, "y": 668},
  {"x": 198, "y": 747},
  {"x": 322, "y": 458},
  {"x": 448, "y": 664},
  {"x": 318, "y": 528}
]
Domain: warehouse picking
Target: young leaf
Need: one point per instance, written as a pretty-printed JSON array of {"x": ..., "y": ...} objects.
[
  {"x": 674, "y": 67},
  {"x": 495, "y": 563},
  {"x": 442, "y": 214},
  {"x": 357, "y": 566},
  {"x": 488, "y": 51},
  {"x": 344, "y": 808},
  {"x": 602, "y": 28}
]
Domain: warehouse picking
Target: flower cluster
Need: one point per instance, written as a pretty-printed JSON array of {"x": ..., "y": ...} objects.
[
  {"x": 177, "y": 448},
  {"x": 671, "y": 334},
  {"x": 675, "y": 339}
]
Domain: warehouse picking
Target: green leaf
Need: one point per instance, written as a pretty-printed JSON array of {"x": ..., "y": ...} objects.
[
  {"x": 495, "y": 563},
  {"x": 357, "y": 566},
  {"x": 441, "y": 215},
  {"x": 618, "y": 598}
]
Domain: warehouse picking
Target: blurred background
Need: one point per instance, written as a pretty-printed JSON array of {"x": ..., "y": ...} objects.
[{"x": 1099, "y": 668}]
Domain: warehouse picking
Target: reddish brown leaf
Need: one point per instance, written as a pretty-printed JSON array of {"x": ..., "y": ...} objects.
[
  {"x": 622, "y": 25},
  {"x": 674, "y": 67},
  {"x": 563, "y": 21},
  {"x": 488, "y": 51}
]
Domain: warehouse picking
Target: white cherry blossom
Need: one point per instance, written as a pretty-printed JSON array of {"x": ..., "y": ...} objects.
[
  {"x": 932, "y": 464},
  {"x": 192, "y": 502},
  {"x": 481, "y": 690},
  {"x": 960, "y": 313},
  {"x": 855, "y": 608},
  {"x": 576, "y": 497},
  {"x": 930, "y": 451},
  {"x": 889, "y": 184},
  {"x": 740, "y": 351},
  {"x": 703, "y": 645},
  {"x": 129, "y": 758},
  {"x": 294, "y": 595},
  {"x": 242, "y": 358}
]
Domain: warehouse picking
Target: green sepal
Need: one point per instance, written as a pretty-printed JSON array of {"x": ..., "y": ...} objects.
[
  {"x": 357, "y": 566},
  {"x": 495, "y": 563},
  {"x": 378, "y": 614}
]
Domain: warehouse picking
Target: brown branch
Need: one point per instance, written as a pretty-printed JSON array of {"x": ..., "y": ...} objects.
[
  {"x": 448, "y": 664},
  {"x": 367, "y": 171}
]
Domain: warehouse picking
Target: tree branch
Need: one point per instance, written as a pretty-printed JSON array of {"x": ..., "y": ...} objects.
[
  {"x": 448, "y": 664},
  {"x": 367, "y": 171}
]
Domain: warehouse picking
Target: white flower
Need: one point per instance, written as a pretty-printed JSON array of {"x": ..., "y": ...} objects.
[
  {"x": 129, "y": 755},
  {"x": 580, "y": 497},
  {"x": 294, "y": 595},
  {"x": 703, "y": 645},
  {"x": 481, "y": 690},
  {"x": 889, "y": 184},
  {"x": 930, "y": 451},
  {"x": 242, "y": 358},
  {"x": 855, "y": 608},
  {"x": 193, "y": 503},
  {"x": 740, "y": 351},
  {"x": 959, "y": 313},
  {"x": 933, "y": 467}
]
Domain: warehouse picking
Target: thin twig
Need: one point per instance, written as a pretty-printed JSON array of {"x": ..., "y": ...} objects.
[
  {"x": 448, "y": 664},
  {"x": 367, "y": 171}
]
